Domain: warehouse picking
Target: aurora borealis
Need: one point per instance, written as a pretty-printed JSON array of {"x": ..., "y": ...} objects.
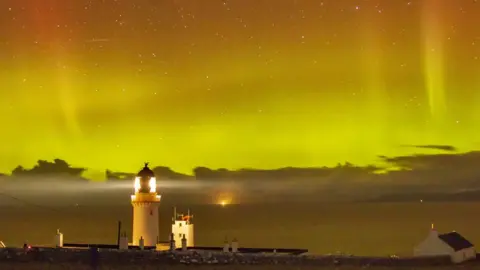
[{"x": 235, "y": 83}]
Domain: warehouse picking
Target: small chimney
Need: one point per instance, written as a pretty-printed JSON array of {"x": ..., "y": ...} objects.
[
  {"x": 59, "y": 239},
  {"x": 172, "y": 242},
  {"x": 141, "y": 243},
  {"x": 226, "y": 245},
  {"x": 433, "y": 231},
  {"x": 184, "y": 243},
  {"x": 234, "y": 245},
  {"x": 123, "y": 245}
]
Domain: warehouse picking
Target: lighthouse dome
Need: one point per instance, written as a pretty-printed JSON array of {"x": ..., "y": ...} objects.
[
  {"x": 146, "y": 173},
  {"x": 145, "y": 181}
]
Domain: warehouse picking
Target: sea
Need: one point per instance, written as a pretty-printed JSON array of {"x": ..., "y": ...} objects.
[{"x": 369, "y": 229}]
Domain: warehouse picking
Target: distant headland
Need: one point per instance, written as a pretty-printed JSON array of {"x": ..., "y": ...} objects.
[{"x": 419, "y": 177}]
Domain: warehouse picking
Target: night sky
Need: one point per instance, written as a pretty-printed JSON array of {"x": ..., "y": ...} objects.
[{"x": 235, "y": 83}]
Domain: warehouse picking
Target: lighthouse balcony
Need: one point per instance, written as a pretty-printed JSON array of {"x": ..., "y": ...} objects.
[{"x": 145, "y": 197}]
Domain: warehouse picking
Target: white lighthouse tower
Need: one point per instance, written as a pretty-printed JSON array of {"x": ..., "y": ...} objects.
[{"x": 145, "y": 204}]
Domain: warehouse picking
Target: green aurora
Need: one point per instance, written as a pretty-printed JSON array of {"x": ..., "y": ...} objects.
[{"x": 235, "y": 83}]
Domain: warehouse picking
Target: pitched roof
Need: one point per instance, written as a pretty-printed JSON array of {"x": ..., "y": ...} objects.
[{"x": 455, "y": 241}]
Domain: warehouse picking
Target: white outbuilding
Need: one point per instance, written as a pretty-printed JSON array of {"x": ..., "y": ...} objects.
[{"x": 452, "y": 244}]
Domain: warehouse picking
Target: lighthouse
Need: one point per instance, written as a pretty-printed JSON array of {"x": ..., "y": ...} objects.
[{"x": 145, "y": 204}]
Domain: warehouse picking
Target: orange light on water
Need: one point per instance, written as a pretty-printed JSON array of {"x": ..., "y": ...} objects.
[{"x": 223, "y": 198}]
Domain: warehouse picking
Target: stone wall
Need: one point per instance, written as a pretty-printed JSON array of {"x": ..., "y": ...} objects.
[{"x": 119, "y": 258}]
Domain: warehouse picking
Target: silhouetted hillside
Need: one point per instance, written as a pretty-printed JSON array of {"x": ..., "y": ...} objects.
[
  {"x": 203, "y": 173},
  {"x": 58, "y": 167},
  {"x": 109, "y": 175},
  {"x": 400, "y": 178},
  {"x": 161, "y": 172},
  {"x": 166, "y": 172},
  {"x": 461, "y": 196},
  {"x": 288, "y": 173}
]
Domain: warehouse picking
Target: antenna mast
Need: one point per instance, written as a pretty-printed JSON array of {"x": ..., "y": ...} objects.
[{"x": 189, "y": 216}]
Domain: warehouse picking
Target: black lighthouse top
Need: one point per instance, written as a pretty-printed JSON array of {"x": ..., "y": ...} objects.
[
  {"x": 145, "y": 175},
  {"x": 145, "y": 172}
]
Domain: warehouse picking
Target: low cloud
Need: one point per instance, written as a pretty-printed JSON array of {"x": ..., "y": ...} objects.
[
  {"x": 448, "y": 148},
  {"x": 400, "y": 175}
]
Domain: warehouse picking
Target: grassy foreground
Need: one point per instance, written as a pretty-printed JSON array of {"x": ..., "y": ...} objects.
[{"x": 47, "y": 266}]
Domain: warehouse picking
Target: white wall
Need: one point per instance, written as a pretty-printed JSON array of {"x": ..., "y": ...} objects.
[
  {"x": 180, "y": 228},
  {"x": 145, "y": 223},
  {"x": 432, "y": 246},
  {"x": 191, "y": 236},
  {"x": 464, "y": 255}
]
